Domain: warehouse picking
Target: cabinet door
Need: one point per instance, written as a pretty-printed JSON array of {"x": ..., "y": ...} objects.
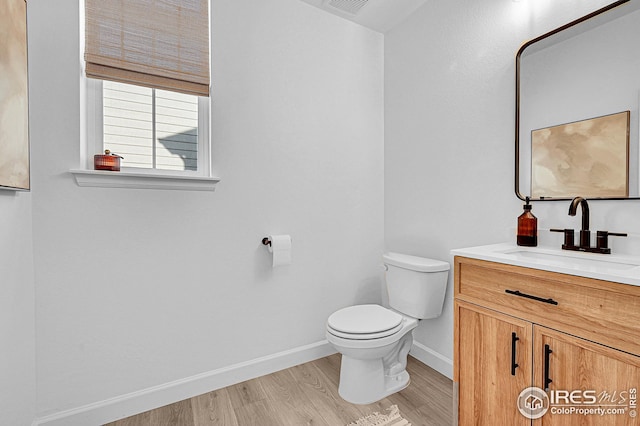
[
  {"x": 584, "y": 377},
  {"x": 488, "y": 345}
]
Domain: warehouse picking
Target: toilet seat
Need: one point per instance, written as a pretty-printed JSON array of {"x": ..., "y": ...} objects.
[{"x": 364, "y": 322}]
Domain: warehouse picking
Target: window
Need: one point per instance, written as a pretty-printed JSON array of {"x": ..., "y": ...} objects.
[
  {"x": 150, "y": 128},
  {"x": 147, "y": 95}
]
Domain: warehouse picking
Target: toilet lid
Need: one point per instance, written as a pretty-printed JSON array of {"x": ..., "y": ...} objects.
[{"x": 365, "y": 322}]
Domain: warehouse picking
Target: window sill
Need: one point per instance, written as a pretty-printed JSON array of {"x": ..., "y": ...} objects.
[{"x": 106, "y": 179}]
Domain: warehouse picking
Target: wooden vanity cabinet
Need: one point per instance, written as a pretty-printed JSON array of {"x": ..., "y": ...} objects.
[
  {"x": 580, "y": 364},
  {"x": 518, "y": 327},
  {"x": 488, "y": 385}
]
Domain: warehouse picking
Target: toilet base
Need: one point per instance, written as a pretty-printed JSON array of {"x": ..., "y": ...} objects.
[{"x": 364, "y": 381}]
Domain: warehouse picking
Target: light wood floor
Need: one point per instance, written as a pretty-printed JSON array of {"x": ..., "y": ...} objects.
[{"x": 306, "y": 394}]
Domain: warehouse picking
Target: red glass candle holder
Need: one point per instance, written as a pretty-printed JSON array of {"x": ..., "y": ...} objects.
[{"x": 108, "y": 161}]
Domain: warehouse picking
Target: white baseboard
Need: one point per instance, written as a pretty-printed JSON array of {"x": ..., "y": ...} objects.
[
  {"x": 147, "y": 399},
  {"x": 433, "y": 359}
]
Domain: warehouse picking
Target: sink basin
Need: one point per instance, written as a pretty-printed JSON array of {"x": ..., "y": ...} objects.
[{"x": 616, "y": 268}]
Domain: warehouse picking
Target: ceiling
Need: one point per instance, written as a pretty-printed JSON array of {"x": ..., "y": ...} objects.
[{"x": 379, "y": 15}]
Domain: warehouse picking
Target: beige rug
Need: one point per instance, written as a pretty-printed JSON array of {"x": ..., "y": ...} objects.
[{"x": 392, "y": 418}]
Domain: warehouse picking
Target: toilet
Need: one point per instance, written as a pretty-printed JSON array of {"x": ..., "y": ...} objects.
[{"x": 374, "y": 341}]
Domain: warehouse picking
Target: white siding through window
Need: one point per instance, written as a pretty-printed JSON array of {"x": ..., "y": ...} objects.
[
  {"x": 176, "y": 130},
  {"x": 151, "y": 128}
]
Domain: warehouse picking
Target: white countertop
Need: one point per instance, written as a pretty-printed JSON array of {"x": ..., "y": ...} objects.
[{"x": 608, "y": 267}]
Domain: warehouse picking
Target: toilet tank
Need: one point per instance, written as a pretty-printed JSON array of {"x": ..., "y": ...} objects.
[{"x": 416, "y": 285}]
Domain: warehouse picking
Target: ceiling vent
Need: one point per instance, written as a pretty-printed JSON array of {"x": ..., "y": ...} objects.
[
  {"x": 378, "y": 15},
  {"x": 352, "y": 7}
]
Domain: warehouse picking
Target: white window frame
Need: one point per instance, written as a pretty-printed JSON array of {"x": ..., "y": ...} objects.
[
  {"x": 135, "y": 177},
  {"x": 95, "y": 133}
]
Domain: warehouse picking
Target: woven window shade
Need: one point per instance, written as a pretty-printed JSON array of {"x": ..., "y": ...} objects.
[{"x": 155, "y": 43}]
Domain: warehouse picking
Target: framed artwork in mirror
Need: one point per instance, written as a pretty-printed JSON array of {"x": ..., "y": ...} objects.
[
  {"x": 14, "y": 96},
  {"x": 589, "y": 158}
]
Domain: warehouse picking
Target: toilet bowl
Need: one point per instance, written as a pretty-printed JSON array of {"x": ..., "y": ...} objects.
[
  {"x": 374, "y": 357},
  {"x": 374, "y": 340}
]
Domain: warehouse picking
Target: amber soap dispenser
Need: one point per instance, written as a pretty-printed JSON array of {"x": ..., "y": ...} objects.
[{"x": 527, "y": 227}]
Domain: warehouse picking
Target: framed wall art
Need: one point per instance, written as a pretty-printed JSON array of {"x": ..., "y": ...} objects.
[
  {"x": 588, "y": 158},
  {"x": 14, "y": 96}
]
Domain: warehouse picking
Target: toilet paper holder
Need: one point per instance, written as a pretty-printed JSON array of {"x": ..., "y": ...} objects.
[{"x": 280, "y": 247}]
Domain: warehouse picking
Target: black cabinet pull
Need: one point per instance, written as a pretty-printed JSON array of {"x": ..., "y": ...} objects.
[
  {"x": 514, "y": 339},
  {"x": 547, "y": 379},
  {"x": 529, "y": 296}
]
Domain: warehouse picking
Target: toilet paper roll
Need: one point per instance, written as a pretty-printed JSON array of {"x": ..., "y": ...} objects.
[{"x": 281, "y": 249}]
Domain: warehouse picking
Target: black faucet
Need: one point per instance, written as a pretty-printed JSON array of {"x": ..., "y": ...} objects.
[
  {"x": 585, "y": 234},
  {"x": 602, "y": 239}
]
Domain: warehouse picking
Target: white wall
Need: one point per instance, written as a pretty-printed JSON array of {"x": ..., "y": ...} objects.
[
  {"x": 17, "y": 328},
  {"x": 138, "y": 288},
  {"x": 449, "y": 126},
  {"x": 135, "y": 288}
]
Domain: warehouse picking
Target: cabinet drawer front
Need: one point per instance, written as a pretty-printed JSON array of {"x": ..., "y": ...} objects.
[{"x": 596, "y": 310}]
